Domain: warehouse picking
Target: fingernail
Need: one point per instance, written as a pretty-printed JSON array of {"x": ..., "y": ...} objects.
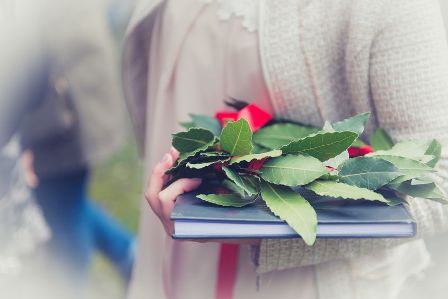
[
  {"x": 166, "y": 158},
  {"x": 197, "y": 180}
]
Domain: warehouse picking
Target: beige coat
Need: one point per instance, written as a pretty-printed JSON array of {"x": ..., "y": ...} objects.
[{"x": 322, "y": 60}]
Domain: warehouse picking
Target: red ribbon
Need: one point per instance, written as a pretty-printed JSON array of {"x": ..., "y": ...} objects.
[
  {"x": 228, "y": 253},
  {"x": 227, "y": 270},
  {"x": 224, "y": 117},
  {"x": 354, "y": 151},
  {"x": 255, "y": 116}
]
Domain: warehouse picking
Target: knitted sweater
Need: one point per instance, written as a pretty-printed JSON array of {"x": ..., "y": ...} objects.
[
  {"x": 389, "y": 57},
  {"x": 327, "y": 60}
]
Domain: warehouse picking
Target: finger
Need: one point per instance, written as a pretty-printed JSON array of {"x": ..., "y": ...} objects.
[
  {"x": 156, "y": 182},
  {"x": 168, "y": 196},
  {"x": 28, "y": 164},
  {"x": 169, "y": 227},
  {"x": 174, "y": 153}
]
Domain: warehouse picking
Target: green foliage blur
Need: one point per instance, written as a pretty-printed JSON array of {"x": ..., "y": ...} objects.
[{"x": 116, "y": 185}]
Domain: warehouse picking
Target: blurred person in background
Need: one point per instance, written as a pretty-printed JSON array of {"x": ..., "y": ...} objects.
[
  {"x": 60, "y": 92},
  {"x": 22, "y": 227}
]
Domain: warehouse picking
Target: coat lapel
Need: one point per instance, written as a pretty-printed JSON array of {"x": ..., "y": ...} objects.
[{"x": 137, "y": 50}]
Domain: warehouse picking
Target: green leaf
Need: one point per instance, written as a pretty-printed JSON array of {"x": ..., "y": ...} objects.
[
  {"x": 292, "y": 170},
  {"x": 367, "y": 172},
  {"x": 380, "y": 140},
  {"x": 428, "y": 191},
  {"x": 322, "y": 146},
  {"x": 277, "y": 135},
  {"x": 421, "y": 181},
  {"x": 176, "y": 168},
  {"x": 200, "y": 165},
  {"x": 435, "y": 150},
  {"x": 291, "y": 207},
  {"x": 236, "y": 138},
  {"x": 246, "y": 183},
  {"x": 248, "y": 158},
  {"x": 338, "y": 160},
  {"x": 392, "y": 198},
  {"x": 226, "y": 200},
  {"x": 207, "y": 122},
  {"x": 358, "y": 143},
  {"x": 335, "y": 189},
  {"x": 353, "y": 124},
  {"x": 408, "y": 167},
  {"x": 258, "y": 149},
  {"x": 234, "y": 188},
  {"x": 213, "y": 155},
  {"x": 192, "y": 141},
  {"x": 400, "y": 179},
  {"x": 182, "y": 171},
  {"x": 410, "y": 149},
  {"x": 194, "y": 160},
  {"x": 187, "y": 125},
  {"x": 414, "y": 179},
  {"x": 328, "y": 127},
  {"x": 395, "y": 201},
  {"x": 331, "y": 176}
]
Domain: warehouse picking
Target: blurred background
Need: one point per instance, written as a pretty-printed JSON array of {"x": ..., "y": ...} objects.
[
  {"x": 70, "y": 51},
  {"x": 70, "y": 174}
]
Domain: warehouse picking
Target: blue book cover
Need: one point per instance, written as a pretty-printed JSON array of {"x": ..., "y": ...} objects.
[{"x": 337, "y": 218}]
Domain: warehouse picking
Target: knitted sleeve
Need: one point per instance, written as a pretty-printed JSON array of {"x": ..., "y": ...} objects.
[{"x": 408, "y": 81}]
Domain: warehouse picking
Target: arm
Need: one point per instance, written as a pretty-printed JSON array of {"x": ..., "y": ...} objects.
[
  {"x": 408, "y": 72},
  {"x": 411, "y": 98}
]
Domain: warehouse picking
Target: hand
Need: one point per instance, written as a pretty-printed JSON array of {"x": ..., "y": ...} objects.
[{"x": 162, "y": 200}]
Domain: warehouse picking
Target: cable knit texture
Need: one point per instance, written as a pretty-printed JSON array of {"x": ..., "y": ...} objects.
[{"x": 327, "y": 59}]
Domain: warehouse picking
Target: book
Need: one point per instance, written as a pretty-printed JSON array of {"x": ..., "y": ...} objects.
[{"x": 337, "y": 218}]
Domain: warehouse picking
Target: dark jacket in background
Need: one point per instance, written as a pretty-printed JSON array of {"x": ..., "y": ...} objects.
[{"x": 78, "y": 118}]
